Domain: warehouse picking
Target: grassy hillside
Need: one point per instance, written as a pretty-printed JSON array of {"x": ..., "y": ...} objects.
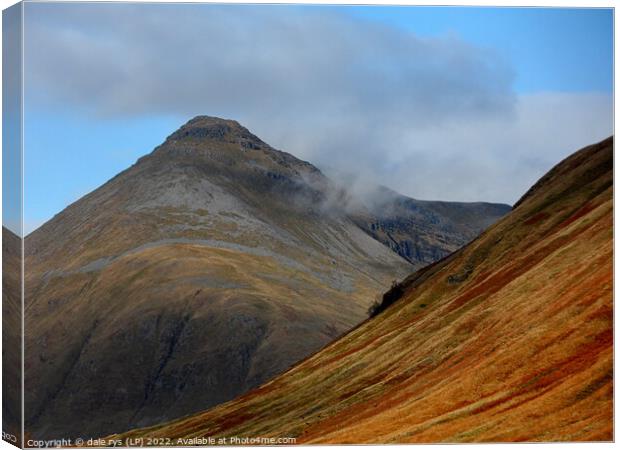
[
  {"x": 508, "y": 339},
  {"x": 11, "y": 335}
]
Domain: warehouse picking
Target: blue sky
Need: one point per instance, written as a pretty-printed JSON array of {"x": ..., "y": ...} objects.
[
  {"x": 469, "y": 104},
  {"x": 569, "y": 49}
]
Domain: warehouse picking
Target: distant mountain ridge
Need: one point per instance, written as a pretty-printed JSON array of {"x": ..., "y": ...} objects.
[
  {"x": 424, "y": 231},
  {"x": 209, "y": 266}
]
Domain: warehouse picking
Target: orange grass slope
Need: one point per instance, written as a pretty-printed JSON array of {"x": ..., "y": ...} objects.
[{"x": 508, "y": 339}]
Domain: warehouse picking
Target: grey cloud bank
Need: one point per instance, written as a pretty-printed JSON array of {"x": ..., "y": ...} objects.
[{"x": 433, "y": 118}]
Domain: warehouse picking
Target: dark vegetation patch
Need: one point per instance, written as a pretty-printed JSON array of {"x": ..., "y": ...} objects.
[
  {"x": 456, "y": 278},
  {"x": 411, "y": 282},
  {"x": 390, "y": 297}
]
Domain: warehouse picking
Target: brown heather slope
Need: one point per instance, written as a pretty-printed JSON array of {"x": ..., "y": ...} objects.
[{"x": 508, "y": 339}]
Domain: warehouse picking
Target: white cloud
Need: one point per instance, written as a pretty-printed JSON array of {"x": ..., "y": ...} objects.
[
  {"x": 432, "y": 118},
  {"x": 498, "y": 160}
]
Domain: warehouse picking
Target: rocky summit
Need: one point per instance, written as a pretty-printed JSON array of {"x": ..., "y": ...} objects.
[{"x": 209, "y": 266}]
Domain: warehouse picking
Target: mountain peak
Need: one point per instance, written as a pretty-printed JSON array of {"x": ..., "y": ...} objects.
[
  {"x": 217, "y": 129},
  {"x": 205, "y": 121}
]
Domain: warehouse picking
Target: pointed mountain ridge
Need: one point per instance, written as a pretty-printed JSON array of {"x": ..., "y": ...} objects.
[
  {"x": 212, "y": 250},
  {"x": 227, "y": 144}
]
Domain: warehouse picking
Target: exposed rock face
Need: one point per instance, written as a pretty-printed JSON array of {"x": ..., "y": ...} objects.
[
  {"x": 508, "y": 339},
  {"x": 206, "y": 268},
  {"x": 425, "y": 231}
]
